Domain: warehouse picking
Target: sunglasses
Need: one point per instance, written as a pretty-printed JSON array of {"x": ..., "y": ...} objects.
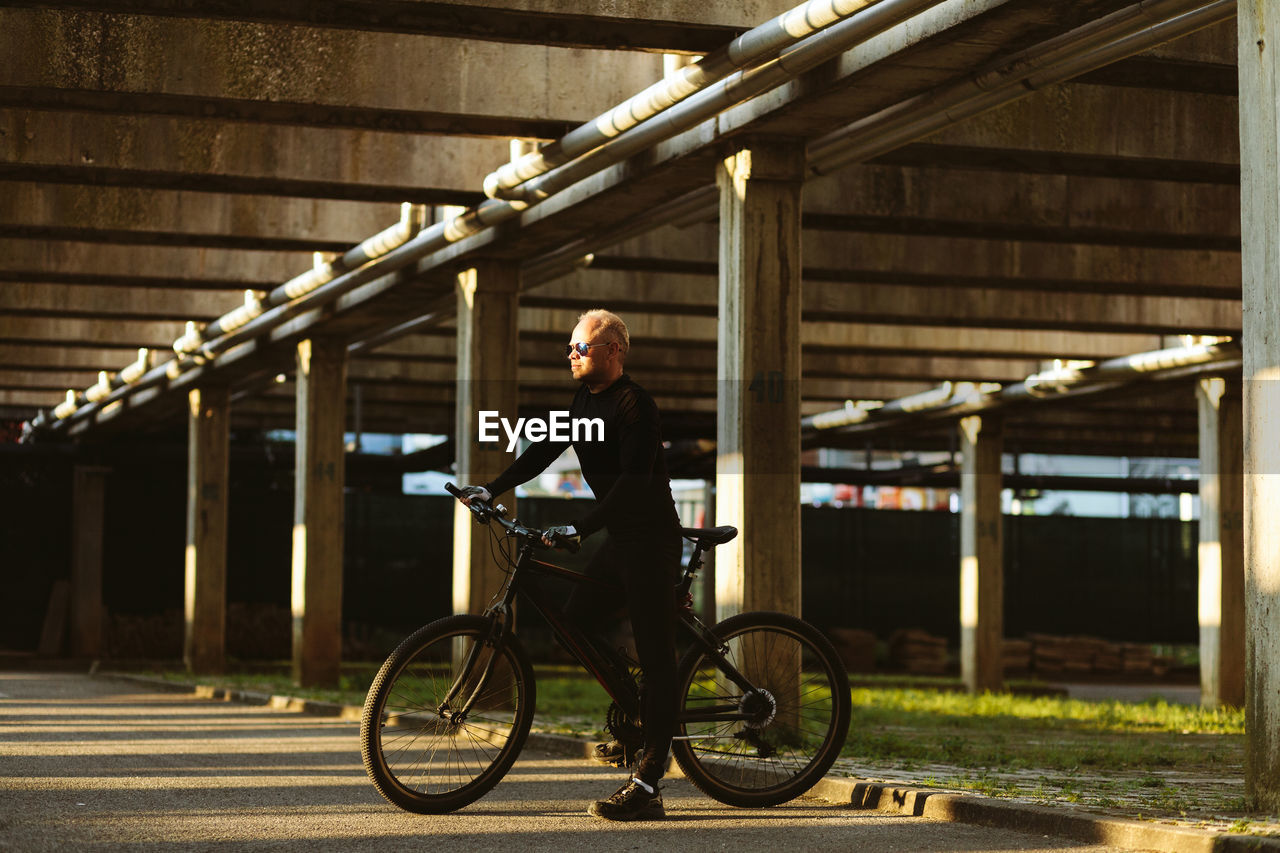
[{"x": 582, "y": 348}]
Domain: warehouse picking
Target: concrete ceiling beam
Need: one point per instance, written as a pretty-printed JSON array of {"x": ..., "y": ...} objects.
[
  {"x": 52, "y": 357},
  {"x": 680, "y": 295},
  {"x": 947, "y": 262},
  {"x": 173, "y": 218},
  {"x": 150, "y": 267},
  {"x": 214, "y": 156},
  {"x": 92, "y": 333},
  {"x": 1011, "y": 158},
  {"x": 29, "y": 380},
  {"x": 203, "y": 58},
  {"x": 1103, "y": 121},
  {"x": 70, "y": 300},
  {"x": 1009, "y": 264},
  {"x": 254, "y": 112},
  {"x": 856, "y": 223},
  {"x": 1173, "y": 75},
  {"x": 663, "y": 26},
  {"x": 1160, "y": 214}
]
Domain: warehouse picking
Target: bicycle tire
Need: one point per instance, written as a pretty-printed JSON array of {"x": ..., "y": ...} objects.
[
  {"x": 776, "y": 756},
  {"x": 424, "y": 761}
]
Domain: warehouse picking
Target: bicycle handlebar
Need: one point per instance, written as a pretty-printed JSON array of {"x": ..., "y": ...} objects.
[{"x": 485, "y": 512}]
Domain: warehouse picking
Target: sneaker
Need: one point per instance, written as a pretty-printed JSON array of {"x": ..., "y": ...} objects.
[
  {"x": 612, "y": 753},
  {"x": 630, "y": 802}
]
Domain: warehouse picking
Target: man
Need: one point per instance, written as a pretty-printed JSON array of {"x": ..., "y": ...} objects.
[{"x": 628, "y": 475}]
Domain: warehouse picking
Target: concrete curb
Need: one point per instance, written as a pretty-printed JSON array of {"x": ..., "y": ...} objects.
[
  {"x": 1039, "y": 820},
  {"x": 920, "y": 802}
]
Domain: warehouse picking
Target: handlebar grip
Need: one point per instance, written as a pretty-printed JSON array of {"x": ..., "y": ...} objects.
[{"x": 453, "y": 490}]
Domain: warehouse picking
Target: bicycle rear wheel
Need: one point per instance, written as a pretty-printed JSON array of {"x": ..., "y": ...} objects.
[
  {"x": 769, "y": 744},
  {"x": 446, "y": 716}
]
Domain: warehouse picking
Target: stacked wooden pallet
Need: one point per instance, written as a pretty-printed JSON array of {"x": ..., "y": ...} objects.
[
  {"x": 1016, "y": 656},
  {"x": 1078, "y": 654},
  {"x": 1046, "y": 654},
  {"x": 1063, "y": 657},
  {"x": 918, "y": 651},
  {"x": 1108, "y": 659},
  {"x": 1137, "y": 658}
]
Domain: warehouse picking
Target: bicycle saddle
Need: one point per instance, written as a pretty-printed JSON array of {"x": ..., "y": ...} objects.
[{"x": 708, "y": 537}]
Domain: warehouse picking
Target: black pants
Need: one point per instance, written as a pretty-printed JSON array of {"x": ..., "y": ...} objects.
[{"x": 647, "y": 571}]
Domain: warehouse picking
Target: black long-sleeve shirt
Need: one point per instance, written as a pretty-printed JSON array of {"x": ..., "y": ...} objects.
[{"x": 627, "y": 470}]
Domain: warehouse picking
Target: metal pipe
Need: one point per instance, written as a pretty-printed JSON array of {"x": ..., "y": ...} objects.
[
  {"x": 1116, "y": 36},
  {"x": 852, "y": 413},
  {"x": 954, "y": 399},
  {"x": 562, "y": 261},
  {"x": 324, "y": 269},
  {"x": 1125, "y": 368},
  {"x": 753, "y": 46},
  {"x": 739, "y": 86}
]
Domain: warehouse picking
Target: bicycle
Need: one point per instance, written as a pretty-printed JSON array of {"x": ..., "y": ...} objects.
[{"x": 764, "y": 701}]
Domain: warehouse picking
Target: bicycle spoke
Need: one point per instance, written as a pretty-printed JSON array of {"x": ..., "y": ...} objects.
[
  {"x": 787, "y": 719},
  {"x": 429, "y": 750}
]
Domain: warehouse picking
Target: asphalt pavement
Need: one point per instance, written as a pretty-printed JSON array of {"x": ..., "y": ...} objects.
[{"x": 96, "y": 764}]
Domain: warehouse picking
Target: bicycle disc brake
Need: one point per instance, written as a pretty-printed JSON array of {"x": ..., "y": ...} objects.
[{"x": 760, "y": 708}]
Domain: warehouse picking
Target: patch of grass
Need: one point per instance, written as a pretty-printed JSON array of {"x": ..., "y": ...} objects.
[
  {"x": 886, "y": 705},
  {"x": 1015, "y": 732},
  {"x": 564, "y": 696}
]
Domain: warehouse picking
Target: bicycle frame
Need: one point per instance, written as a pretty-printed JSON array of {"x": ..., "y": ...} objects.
[{"x": 523, "y": 581}]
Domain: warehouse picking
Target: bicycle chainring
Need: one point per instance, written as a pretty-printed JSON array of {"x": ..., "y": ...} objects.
[{"x": 623, "y": 729}]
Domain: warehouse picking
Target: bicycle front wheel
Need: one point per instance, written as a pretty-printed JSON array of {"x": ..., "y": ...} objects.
[
  {"x": 773, "y": 741},
  {"x": 446, "y": 716}
]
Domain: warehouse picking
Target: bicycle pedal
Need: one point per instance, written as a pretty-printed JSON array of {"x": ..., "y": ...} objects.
[{"x": 611, "y": 754}]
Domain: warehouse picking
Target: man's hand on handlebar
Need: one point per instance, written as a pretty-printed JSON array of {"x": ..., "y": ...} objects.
[
  {"x": 468, "y": 493},
  {"x": 563, "y": 536}
]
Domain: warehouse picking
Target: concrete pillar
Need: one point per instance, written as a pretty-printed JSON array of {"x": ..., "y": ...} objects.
[
  {"x": 488, "y": 299},
  {"x": 205, "y": 599},
  {"x": 981, "y": 554},
  {"x": 1258, "y": 25},
  {"x": 1221, "y": 553},
  {"x": 88, "y": 496},
  {"x": 317, "y": 512},
  {"x": 758, "y": 395}
]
